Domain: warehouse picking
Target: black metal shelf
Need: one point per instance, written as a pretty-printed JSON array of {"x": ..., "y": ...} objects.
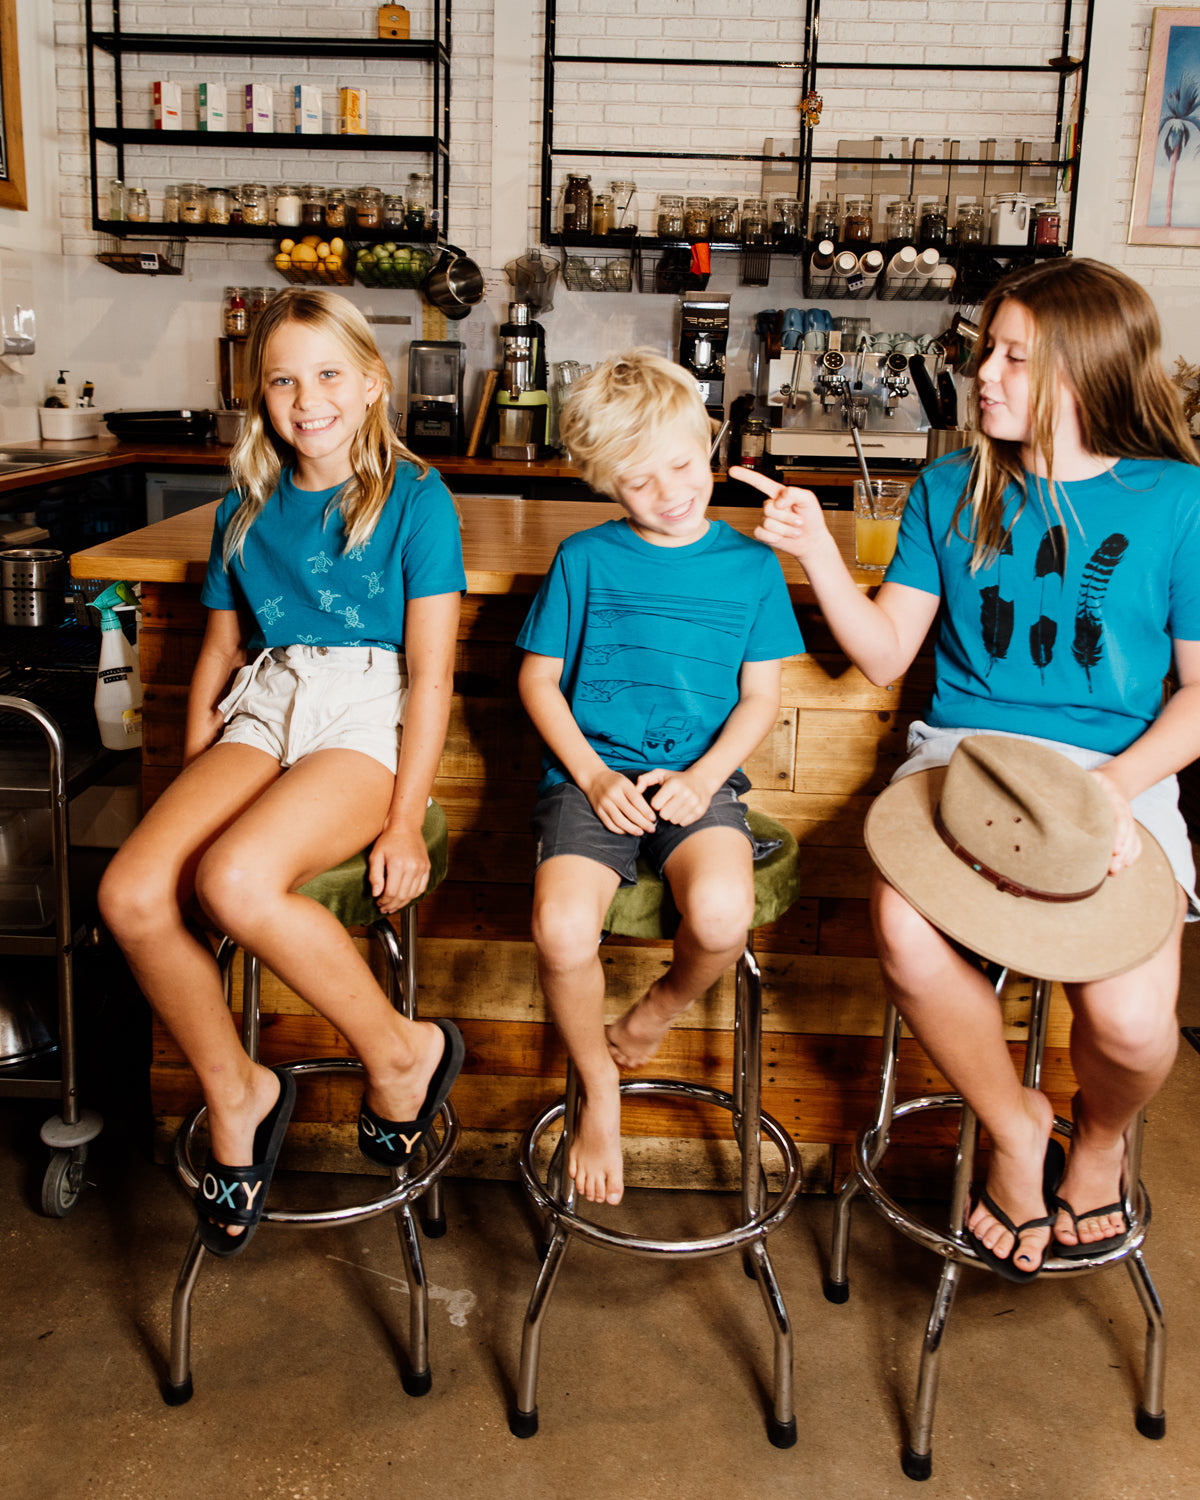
[
  {"x": 129, "y": 229},
  {"x": 118, "y": 43}
]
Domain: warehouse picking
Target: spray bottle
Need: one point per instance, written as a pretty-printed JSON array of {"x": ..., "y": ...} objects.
[{"x": 118, "y": 680}]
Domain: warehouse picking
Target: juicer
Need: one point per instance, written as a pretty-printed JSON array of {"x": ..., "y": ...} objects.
[{"x": 522, "y": 401}]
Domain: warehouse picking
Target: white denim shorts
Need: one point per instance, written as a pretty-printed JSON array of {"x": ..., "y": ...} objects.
[
  {"x": 293, "y": 700},
  {"x": 1156, "y": 809}
]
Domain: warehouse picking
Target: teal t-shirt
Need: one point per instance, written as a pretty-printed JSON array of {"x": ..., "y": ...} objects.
[
  {"x": 304, "y": 589},
  {"x": 652, "y": 638},
  {"x": 1071, "y": 647}
]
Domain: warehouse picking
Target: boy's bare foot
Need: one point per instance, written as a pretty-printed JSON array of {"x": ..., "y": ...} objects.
[
  {"x": 397, "y": 1086},
  {"x": 595, "y": 1162},
  {"x": 1015, "y": 1184},
  {"x": 637, "y": 1036}
]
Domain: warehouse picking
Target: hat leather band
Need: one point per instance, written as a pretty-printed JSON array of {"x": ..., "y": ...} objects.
[{"x": 1002, "y": 883}]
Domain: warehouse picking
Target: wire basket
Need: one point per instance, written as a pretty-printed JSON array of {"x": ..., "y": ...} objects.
[
  {"x": 150, "y": 258},
  {"x": 756, "y": 265}
]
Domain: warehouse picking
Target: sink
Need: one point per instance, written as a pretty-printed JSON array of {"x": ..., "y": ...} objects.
[{"x": 15, "y": 462}]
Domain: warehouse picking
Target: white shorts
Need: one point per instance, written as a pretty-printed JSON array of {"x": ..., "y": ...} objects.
[
  {"x": 1156, "y": 809},
  {"x": 293, "y": 700}
]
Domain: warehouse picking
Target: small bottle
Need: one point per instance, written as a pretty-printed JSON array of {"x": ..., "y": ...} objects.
[
  {"x": 256, "y": 302},
  {"x": 1047, "y": 222},
  {"x": 116, "y": 198},
  {"x": 602, "y": 213},
  {"x": 394, "y": 211},
  {"x": 577, "y": 204},
  {"x": 237, "y": 314},
  {"x": 419, "y": 217},
  {"x": 170, "y": 208},
  {"x": 754, "y": 443},
  {"x": 118, "y": 697}
]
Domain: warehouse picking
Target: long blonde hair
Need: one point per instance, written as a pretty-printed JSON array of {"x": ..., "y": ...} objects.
[
  {"x": 1097, "y": 330},
  {"x": 258, "y": 456}
]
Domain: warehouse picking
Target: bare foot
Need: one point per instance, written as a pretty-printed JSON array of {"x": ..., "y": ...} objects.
[
  {"x": 1015, "y": 1183},
  {"x": 1092, "y": 1180},
  {"x": 398, "y": 1083},
  {"x": 595, "y": 1162},
  {"x": 232, "y": 1127},
  {"x": 637, "y": 1036}
]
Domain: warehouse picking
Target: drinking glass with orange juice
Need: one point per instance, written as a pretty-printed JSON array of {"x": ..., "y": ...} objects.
[{"x": 877, "y": 521}]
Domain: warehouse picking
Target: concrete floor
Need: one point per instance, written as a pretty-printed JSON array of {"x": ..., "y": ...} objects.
[{"x": 655, "y": 1379}]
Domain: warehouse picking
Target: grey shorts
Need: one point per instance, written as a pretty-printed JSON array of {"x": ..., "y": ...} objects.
[
  {"x": 1156, "y": 809},
  {"x": 293, "y": 700},
  {"x": 565, "y": 823}
]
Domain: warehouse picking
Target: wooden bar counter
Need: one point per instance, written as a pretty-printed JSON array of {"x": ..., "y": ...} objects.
[{"x": 835, "y": 744}]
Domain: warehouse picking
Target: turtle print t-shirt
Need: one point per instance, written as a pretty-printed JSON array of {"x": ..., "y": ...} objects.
[
  {"x": 304, "y": 589},
  {"x": 1067, "y": 635}
]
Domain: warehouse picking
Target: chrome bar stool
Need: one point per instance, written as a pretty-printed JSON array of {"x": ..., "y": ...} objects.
[
  {"x": 951, "y": 1243},
  {"x": 638, "y": 911},
  {"x": 343, "y": 891}
]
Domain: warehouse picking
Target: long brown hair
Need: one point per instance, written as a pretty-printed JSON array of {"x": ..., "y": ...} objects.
[
  {"x": 257, "y": 458},
  {"x": 1097, "y": 330}
]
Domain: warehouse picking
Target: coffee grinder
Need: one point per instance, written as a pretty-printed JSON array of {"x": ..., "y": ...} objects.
[
  {"x": 522, "y": 401},
  {"x": 703, "y": 334},
  {"x": 435, "y": 387}
]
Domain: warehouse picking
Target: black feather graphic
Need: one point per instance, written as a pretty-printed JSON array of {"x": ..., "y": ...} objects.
[
  {"x": 1041, "y": 641},
  {"x": 1052, "y": 553},
  {"x": 1088, "y": 646},
  {"x": 996, "y": 621}
]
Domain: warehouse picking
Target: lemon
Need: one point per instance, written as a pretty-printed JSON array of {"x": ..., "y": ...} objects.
[
  {"x": 322, "y": 250},
  {"x": 311, "y": 240},
  {"x": 304, "y": 255},
  {"x": 333, "y": 262},
  {"x": 336, "y": 246},
  {"x": 283, "y": 261},
  {"x": 286, "y": 245}
]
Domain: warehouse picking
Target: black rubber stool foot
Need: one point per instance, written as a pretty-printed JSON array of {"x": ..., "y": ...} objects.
[
  {"x": 917, "y": 1465},
  {"x": 781, "y": 1434},
  {"x": 1151, "y": 1426},
  {"x": 836, "y": 1291},
  {"x": 417, "y": 1385},
  {"x": 177, "y": 1395},
  {"x": 523, "y": 1424},
  {"x": 433, "y": 1228}
]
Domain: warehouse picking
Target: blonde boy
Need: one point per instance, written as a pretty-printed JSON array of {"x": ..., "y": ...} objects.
[{"x": 652, "y": 670}]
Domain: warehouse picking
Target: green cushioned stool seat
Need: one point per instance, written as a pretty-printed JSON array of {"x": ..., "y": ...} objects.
[
  {"x": 344, "y": 890},
  {"x": 646, "y": 910}
]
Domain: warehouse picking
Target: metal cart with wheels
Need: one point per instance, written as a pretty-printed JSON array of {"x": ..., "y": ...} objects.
[{"x": 68, "y": 1133}]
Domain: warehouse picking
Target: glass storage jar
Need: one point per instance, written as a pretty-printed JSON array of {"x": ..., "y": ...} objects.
[
  {"x": 237, "y": 313},
  {"x": 968, "y": 224},
  {"x": 723, "y": 219},
  {"x": 137, "y": 205},
  {"x": 785, "y": 219},
  {"x": 394, "y": 211},
  {"x": 170, "y": 206},
  {"x": 312, "y": 206},
  {"x": 335, "y": 209},
  {"x": 577, "y": 204},
  {"x": 191, "y": 203},
  {"x": 625, "y": 206},
  {"x": 931, "y": 234},
  {"x": 116, "y": 198},
  {"x": 1047, "y": 224},
  {"x": 256, "y": 302},
  {"x": 669, "y": 218},
  {"x": 825, "y": 223},
  {"x": 286, "y": 207},
  {"x": 901, "y": 221},
  {"x": 368, "y": 207},
  {"x": 220, "y": 205},
  {"x": 418, "y": 207},
  {"x": 255, "y": 208},
  {"x": 754, "y": 221},
  {"x": 602, "y": 213},
  {"x": 857, "y": 228},
  {"x": 696, "y": 218}
]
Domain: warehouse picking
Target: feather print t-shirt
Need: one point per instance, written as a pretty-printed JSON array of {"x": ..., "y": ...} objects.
[{"x": 1068, "y": 643}]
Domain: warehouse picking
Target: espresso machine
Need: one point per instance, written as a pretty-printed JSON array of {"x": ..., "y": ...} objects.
[
  {"x": 816, "y": 397},
  {"x": 703, "y": 334},
  {"x": 435, "y": 387},
  {"x": 522, "y": 400}
]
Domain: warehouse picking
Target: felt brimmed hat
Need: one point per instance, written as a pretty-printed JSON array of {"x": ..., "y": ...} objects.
[{"x": 1006, "y": 849}]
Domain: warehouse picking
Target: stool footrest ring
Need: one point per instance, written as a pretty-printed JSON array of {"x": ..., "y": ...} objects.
[
  {"x": 403, "y": 1187},
  {"x": 770, "y": 1215}
]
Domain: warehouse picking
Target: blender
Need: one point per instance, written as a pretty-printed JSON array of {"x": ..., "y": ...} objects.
[
  {"x": 435, "y": 385},
  {"x": 522, "y": 401}
]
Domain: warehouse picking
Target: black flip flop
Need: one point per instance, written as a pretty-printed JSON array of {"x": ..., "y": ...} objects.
[
  {"x": 235, "y": 1197},
  {"x": 1053, "y": 1167},
  {"x": 391, "y": 1143},
  {"x": 1082, "y": 1251}
]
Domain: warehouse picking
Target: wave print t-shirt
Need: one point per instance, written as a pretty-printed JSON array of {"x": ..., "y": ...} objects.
[{"x": 1067, "y": 642}]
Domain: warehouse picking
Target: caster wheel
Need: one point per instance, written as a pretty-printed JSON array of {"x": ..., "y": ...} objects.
[{"x": 63, "y": 1182}]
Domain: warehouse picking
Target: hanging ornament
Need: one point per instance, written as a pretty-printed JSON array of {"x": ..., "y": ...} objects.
[{"x": 810, "y": 109}]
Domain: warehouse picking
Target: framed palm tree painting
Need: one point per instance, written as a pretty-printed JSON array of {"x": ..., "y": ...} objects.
[{"x": 1166, "y": 193}]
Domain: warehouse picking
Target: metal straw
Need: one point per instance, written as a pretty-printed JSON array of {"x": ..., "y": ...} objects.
[{"x": 866, "y": 473}]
